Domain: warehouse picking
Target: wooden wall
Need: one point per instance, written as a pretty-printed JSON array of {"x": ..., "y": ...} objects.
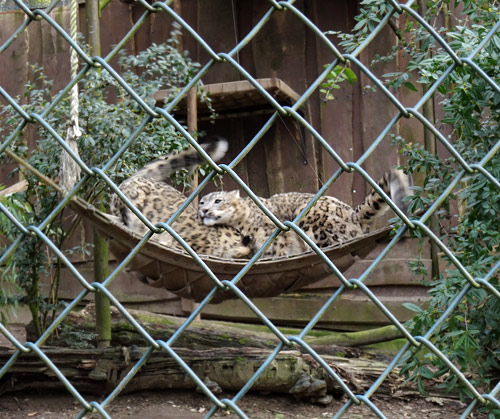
[{"x": 284, "y": 48}]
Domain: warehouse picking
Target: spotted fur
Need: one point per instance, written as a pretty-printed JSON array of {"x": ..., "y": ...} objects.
[
  {"x": 158, "y": 201},
  {"x": 330, "y": 221}
]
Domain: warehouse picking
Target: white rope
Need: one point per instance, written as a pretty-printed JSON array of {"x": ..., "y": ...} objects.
[{"x": 69, "y": 172}]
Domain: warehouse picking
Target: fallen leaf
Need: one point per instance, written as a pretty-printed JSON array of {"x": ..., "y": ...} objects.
[{"x": 437, "y": 400}]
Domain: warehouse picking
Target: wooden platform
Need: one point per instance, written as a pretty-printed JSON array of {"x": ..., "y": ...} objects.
[{"x": 238, "y": 97}]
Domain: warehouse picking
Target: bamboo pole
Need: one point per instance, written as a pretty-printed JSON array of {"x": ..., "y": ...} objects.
[
  {"x": 101, "y": 252},
  {"x": 430, "y": 146},
  {"x": 192, "y": 123}
]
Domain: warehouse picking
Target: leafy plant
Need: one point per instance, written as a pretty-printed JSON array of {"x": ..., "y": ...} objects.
[
  {"x": 108, "y": 116},
  {"x": 333, "y": 80},
  {"x": 8, "y": 286},
  {"x": 468, "y": 219}
]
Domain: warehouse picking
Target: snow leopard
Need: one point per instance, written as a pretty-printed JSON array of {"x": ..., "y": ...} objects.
[
  {"x": 329, "y": 222},
  {"x": 150, "y": 193}
]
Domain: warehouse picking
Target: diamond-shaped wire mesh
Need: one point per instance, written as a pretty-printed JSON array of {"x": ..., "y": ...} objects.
[{"x": 230, "y": 57}]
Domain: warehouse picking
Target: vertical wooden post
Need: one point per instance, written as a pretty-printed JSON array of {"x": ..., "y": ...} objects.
[
  {"x": 101, "y": 253},
  {"x": 192, "y": 124}
]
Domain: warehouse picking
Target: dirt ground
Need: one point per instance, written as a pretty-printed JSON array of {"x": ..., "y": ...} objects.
[{"x": 191, "y": 405}]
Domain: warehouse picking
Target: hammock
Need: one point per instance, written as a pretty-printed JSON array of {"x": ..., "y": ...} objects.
[{"x": 177, "y": 272}]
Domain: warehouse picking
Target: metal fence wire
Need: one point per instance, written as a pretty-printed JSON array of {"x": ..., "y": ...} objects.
[{"x": 33, "y": 16}]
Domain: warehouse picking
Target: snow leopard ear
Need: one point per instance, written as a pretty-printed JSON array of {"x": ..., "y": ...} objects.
[{"x": 234, "y": 194}]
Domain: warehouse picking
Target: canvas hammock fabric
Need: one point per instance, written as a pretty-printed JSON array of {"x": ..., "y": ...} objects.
[{"x": 179, "y": 273}]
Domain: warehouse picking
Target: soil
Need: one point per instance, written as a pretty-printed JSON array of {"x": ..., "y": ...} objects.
[{"x": 191, "y": 405}]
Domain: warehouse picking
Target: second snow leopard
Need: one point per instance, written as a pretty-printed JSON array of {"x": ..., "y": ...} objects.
[
  {"x": 158, "y": 201},
  {"x": 330, "y": 221}
]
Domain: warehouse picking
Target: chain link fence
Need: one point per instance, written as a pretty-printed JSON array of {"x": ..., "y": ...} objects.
[{"x": 413, "y": 343}]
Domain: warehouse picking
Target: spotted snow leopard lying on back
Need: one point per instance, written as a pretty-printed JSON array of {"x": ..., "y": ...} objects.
[
  {"x": 329, "y": 222},
  {"x": 158, "y": 201}
]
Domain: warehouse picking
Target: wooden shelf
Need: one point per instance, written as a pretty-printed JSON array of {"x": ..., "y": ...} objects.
[{"x": 239, "y": 96}]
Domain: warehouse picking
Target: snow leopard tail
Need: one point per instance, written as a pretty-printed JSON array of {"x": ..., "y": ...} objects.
[
  {"x": 162, "y": 168},
  {"x": 396, "y": 185}
]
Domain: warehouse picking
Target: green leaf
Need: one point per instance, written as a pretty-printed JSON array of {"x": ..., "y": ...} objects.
[
  {"x": 425, "y": 372},
  {"x": 350, "y": 76},
  {"x": 412, "y": 307},
  {"x": 410, "y": 86}
]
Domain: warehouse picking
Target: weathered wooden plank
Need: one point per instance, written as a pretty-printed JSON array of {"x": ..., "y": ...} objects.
[
  {"x": 238, "y": 96},
  {"x": 377, "y": 111},
  {"x": 255, "y": 161},
  {"x": 333, "y": 119},
  {"x": 217, "y": 26},
  {"x": 353, "y": 310},
  {"x": 393, "y": 270},
  {"x": 279, "y": 50},
  {"x": 116, "y": 20}
]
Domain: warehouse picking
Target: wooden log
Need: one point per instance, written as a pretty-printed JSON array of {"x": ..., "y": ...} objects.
[
  {"x": 200, "y": 335},
  {"x": 223, "y": 356},
  {"x": 362, "y": 338},
  {"x": 98, "y": 371},
  {"x": 206, "y": 334}
]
